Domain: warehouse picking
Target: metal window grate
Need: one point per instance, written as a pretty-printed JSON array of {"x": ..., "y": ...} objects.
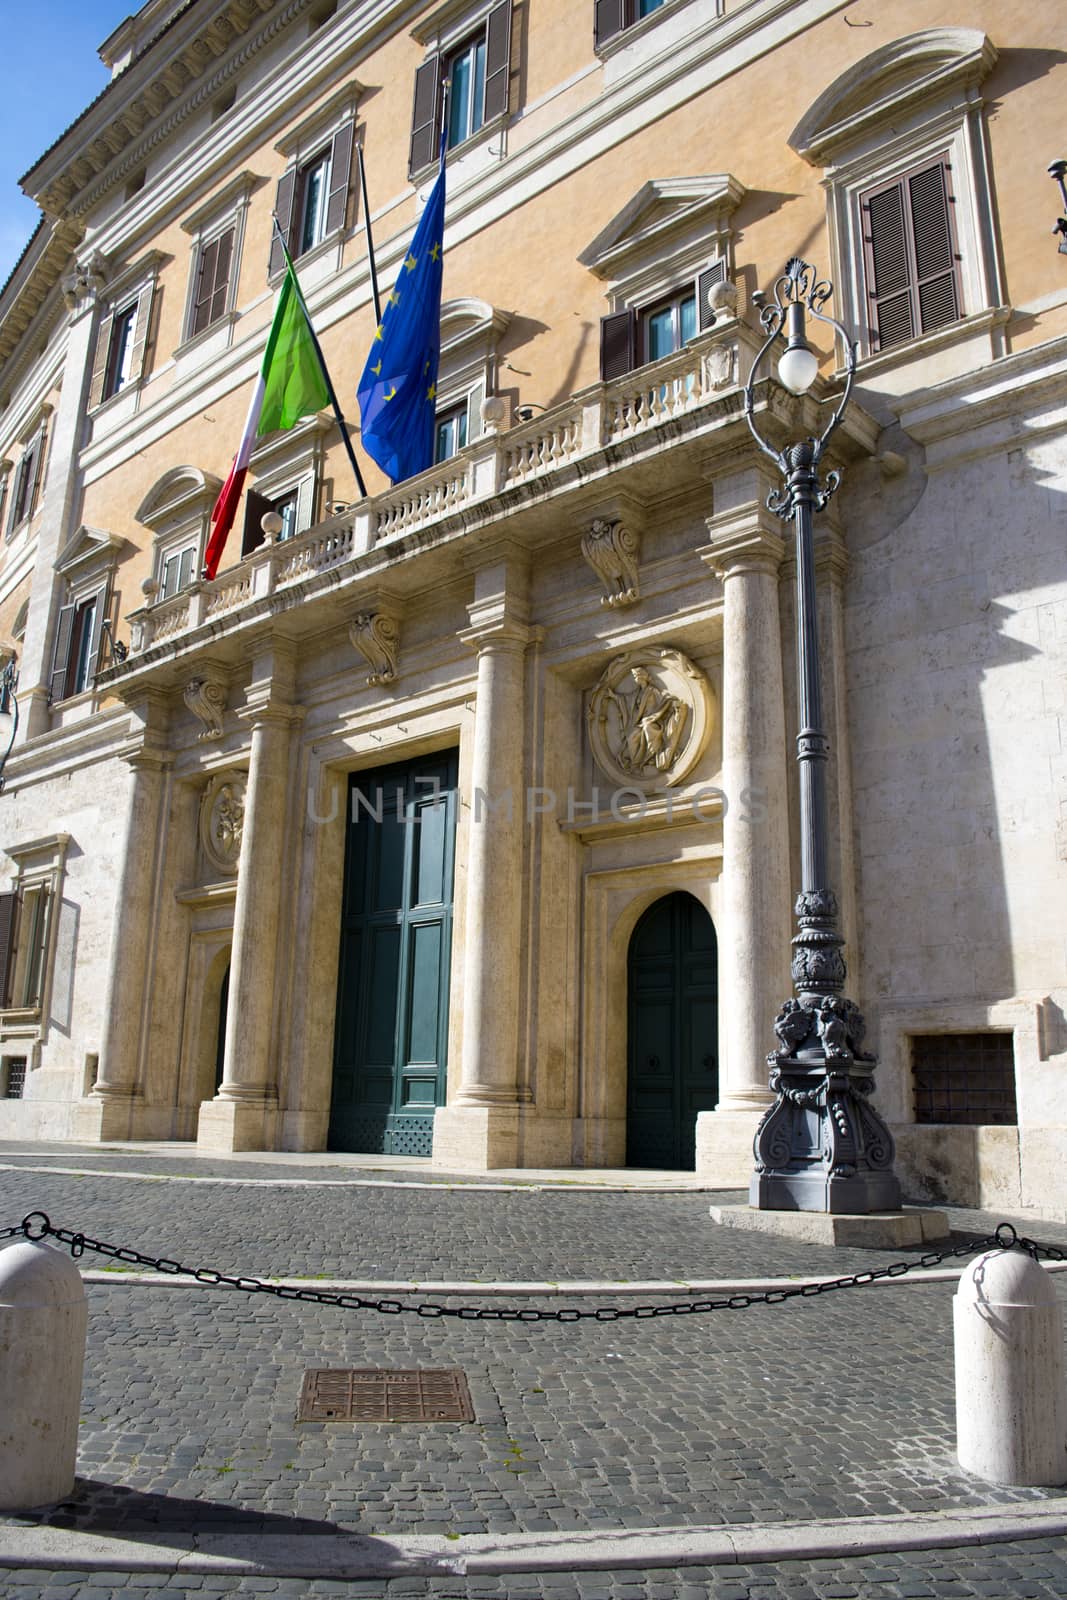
[
  {"x": 376, "y": 1394},
  {"x": 964, "y": 1077},
  {"x": 15, "y": 1077}
]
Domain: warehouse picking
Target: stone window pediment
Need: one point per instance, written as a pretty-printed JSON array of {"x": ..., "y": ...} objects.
[
  {"x": 890, "y": 83},
  {"x": 666, "y": 219}
]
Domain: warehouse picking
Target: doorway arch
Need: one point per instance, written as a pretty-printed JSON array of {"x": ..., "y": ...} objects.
[{"x": 672, "y": 1062}]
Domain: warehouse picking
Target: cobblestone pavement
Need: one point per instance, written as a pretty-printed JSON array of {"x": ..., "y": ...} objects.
[{"x": 837, "y": 1406}]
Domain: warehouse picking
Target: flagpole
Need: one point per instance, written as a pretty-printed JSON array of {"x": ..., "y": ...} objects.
[
  {"x": 341, "y": 423},
  {"x": 370, "y": 240}
]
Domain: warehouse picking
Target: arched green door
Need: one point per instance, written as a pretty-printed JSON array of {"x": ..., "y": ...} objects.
[
  {"x": 673, "y": 1049},
  {"x": 396, "y": 936}
]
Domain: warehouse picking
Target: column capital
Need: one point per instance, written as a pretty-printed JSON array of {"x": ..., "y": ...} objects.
[
  {"x": 831, "y": 553},
  {"x": 743, "y": 548},
  {"x": 503, "y": 633},
  {"x": 264, "y": 711}
]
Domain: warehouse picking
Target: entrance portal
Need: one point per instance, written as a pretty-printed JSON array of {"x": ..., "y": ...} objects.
[
  {"x": 672, "y": 1060},
  {"x": 396, "y": 925}
]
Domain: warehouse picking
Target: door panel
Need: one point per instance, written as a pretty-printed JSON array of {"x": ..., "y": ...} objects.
[
  {"x": 672, "y": 1065},
  {"x": 392, "y": 1004}
]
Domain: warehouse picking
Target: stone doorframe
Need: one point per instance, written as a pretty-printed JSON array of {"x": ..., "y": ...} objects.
[
  {"x": 613, "y": 902},
  {"x": 209, "y": 956}
]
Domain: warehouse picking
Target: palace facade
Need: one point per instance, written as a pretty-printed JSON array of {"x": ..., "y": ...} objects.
[{"x": 460, "y": 819}]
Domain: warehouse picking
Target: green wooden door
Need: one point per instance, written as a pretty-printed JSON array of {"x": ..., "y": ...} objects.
[
  {"x": 673, "y": 1051},
  {"x": 396, "y": 926}
]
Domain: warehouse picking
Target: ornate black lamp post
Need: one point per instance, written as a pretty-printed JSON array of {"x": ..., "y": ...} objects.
[{"x": 821, "y": 1146}]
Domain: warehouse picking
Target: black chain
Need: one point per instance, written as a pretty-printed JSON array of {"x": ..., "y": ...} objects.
[{"x": 37, "y": 1226}]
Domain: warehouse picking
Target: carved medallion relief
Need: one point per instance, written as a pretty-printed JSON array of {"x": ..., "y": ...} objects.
[
  {"x": 650, "y": 718},
  {"x": 222, "y": 813}
]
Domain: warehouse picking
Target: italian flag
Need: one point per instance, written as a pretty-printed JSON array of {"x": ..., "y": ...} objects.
[{"x": 291, "y": 384}]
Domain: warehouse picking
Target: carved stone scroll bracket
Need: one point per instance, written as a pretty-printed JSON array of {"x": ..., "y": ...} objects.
[
  {"x": 614, "y": 552},
  {"x": 376, "y": 635},
  {"x": 222, "y": 814},
  {"x": 85, "y": 281},
  {"x": 206, "y": 699}
]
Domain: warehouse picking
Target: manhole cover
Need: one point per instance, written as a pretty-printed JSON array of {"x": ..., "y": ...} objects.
[{"x": 376, "y": 1394}]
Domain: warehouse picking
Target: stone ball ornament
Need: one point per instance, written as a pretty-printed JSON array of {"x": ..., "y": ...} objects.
[{"x": 650, "y": 718}]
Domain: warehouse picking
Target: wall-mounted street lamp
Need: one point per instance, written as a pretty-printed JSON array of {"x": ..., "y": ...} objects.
[
  {"x": 821, "y": 1146},
  {"x": 1058, "y": 170}
]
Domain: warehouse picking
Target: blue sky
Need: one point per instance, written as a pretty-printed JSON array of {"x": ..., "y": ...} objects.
[{"x": 51, "y": 72}]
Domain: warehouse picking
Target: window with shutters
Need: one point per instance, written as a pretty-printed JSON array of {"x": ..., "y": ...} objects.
[
  {"x": 177, "y": 569},
  {"x": 464, "y": 85},
  {"x": 612, "y": 17},
  {"x": 470, "y": 330},
  {"x": 910, "y": 257},
  {"x": 312, "y": 199},
  {"x": 642, "y": 333},
  {"x": 211, "y": 294},
  {"x": 287, "y": 476},
  {"x": 122, "y": 338},
  {"x": 900, "y": 140},
  {"x": 29, "y": 912},
  {"x": 87, "y": 567},
  {"x": 28, "y": 480},
  {"x": 217, "y": 231}
]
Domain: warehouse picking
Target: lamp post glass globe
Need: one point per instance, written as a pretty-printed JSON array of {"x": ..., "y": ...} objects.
[{"x": 797, "y": 368}]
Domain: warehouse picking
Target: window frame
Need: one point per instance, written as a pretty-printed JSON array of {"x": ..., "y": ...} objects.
[
  {"x": 623, "y": 332},
  {"x": 225, "y": 212},
  {"x": 329, "y": 133},
  {"x": 449, "y": 35},
  {"x": 893, "y": 113},
  {"x": 28, "y": 474},
  {"x": 283, "y": 464},
  {"x": 26, "y": 975},
  {"x": 618, "y": 22},
  {"x": 458, "y": 414},
  {"x": 88, "y": 567},
  {"x": 133, "y": 294}
]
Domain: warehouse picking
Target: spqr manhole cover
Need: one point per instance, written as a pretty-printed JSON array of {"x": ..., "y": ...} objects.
[{"x": 377, "y": 1394}]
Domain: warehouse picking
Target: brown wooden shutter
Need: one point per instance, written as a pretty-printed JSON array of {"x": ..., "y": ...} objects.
[
  {"x": 223, "y": 263},
  {"x": 256, "y": 507},
  {"x": 283, "y": 210},
  {"x": 885, "y": 246},
  {"x": 100, "y": 616},
  {"x": 9, "y": 916},
  {"x": 609, "y": 19},
  {"x": 340, "y": 173},
  {"x": 141, "y": 321},
  {"x": 205, "y": 287},
  {"x": 706, "y": 280},
  {"x": 425, "y": 115},
  {"x": 17, "y": 497},
  {"x": 618, "y": 344},
  {"x": 935, "y": 255},
  {"x": 57, "y": 684},
  {"x": 34, "y": 465},
  {"x": 497, "y": 61},
  {"x": 103, "y": 346}
]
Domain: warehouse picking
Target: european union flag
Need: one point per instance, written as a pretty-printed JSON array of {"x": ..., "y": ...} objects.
[{"x": 398, "y": 390}]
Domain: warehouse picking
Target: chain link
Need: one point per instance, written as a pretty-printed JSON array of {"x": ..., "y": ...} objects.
[{"x": 36, "y": 1226}]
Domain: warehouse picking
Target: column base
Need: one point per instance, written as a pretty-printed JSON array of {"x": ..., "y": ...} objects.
[
  {"x": 724, "y": 1145},
  {"x": 101, "y": 1119},
  {"x": 225, "y": 1126},
  {"x": 475, "y": 1138}
]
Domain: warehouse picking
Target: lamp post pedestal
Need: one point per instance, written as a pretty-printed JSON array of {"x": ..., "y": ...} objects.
[{"x": 821, "y": 1146}]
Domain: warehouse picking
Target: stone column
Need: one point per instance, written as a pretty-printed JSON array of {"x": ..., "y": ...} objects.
[
  {"x": 479, "y": 1128},
  {"x": 110, "y": 1111},
  {"x": 244, "y": 1114},
  {"x": 746, "y": 552}
]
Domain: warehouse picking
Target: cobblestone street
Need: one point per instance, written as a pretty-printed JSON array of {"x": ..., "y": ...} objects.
[{"x": 838, "y": 1406}]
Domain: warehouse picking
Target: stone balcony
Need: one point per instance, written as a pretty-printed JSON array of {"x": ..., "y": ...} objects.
[{"x": 660, "y": 429}]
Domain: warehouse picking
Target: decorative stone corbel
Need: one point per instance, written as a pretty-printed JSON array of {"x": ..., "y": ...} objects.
[
  {"x": 614, "y": 552},
  {"x": 86, "y": 280},
  {"x": 376, "y": 635},
  {"x": 206, "y": 699}
]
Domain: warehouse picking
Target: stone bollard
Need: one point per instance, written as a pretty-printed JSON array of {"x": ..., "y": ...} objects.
[
  {"x": 1011, "y": 1407},
  {"x": 43, "y": 1314}
]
